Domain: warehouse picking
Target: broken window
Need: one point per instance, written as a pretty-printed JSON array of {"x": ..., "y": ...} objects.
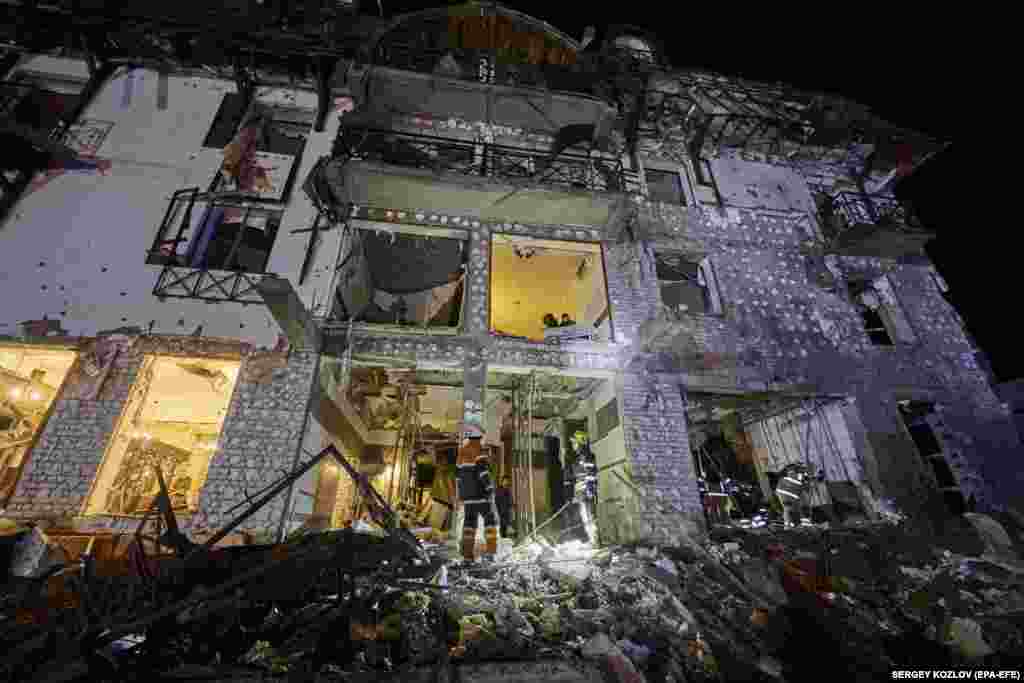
[
  {"x": 35, "y": 107},
  {"x": 215, "y": 236},
  {"x": 262, "y": 146},
  {"x": 171, "y": 424},
  {"x": 607, "y": 419},
  {"x": 664, "y": 186},
  {"x": 39, "y": 102},
  {"x": 548, "y": 290},
  {"x": 922, "y": 423},
  {"x": 882, "y": 316},
  {"x": 29, "y": 381},
  {"x": 687, "y": 285},
  {"x": 399, "y": 275},
  {"x": 702, "y": 169}
]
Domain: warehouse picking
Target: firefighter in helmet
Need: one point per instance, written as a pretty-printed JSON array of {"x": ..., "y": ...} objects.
[{"x": 476, "y": 493}]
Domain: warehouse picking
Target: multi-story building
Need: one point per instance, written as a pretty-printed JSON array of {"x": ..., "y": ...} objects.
[{"x": 243, "y": 251}]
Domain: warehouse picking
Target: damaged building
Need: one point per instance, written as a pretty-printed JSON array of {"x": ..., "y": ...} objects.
[{"x": 223, "y": 257}]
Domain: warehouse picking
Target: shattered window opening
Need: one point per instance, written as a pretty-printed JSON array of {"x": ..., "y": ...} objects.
[
  {"x": 665, "y": 186},
  {"x": 397, "y": 275},
  {"x": 548, "y": 290},
  {"x": 687, "y": 286},
  {"x": 29, "y": 382},
  {"x": 263, "y": 145},
  {"x": 173, "y": 419}
]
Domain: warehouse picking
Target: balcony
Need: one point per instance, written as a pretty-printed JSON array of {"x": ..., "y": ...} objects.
[
  {"x": 213, "y": 247},
  {"x": 880, "y": 226},
  {"x": 479, "y": 179}
]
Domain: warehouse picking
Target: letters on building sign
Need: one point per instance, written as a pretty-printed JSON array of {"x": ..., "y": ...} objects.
[{"x": 515, "y": 44}]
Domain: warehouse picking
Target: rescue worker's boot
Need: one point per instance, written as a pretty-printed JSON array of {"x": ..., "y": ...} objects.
[
  {"x": 469, "y": 544},
  {"x": 490, "y": 542}
]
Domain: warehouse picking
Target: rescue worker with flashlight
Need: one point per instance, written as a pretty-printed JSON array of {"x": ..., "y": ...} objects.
[{"x": 476, "y": 493}]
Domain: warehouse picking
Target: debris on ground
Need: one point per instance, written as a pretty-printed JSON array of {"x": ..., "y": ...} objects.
[{"x": 762, "y": 603}]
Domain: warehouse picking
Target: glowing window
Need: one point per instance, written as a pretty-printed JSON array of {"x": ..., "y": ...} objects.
[
  {"x": 29, "y": 381},
  {"x": 534, "y": 279},
  {"x": 172, "y": 420}
]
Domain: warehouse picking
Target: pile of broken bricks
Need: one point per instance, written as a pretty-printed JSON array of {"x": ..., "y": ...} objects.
[{"x": 743, "y": 604}]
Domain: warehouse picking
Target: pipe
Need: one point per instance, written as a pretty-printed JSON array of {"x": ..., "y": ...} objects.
[
  {"x": 517, "y": 469},
  {"x": 529, "y": 468},
  {"x": 288, "y": 500},
  {"x": 546, "y": 522}
]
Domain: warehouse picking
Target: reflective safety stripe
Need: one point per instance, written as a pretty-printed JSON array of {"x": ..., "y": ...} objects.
[
  {"x": 793, "y": 481},
  {"x": 793, "y": 495}
]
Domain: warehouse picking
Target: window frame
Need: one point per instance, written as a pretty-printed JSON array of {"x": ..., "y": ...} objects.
[
  {"x": 685, "y": 182},
  {"x": 884, "y": 312},
  {"x": 704, "y": 190},
  {"x": 14, "y": 180},
  {"x": 682, "y": 199},
  {"x": 607, "y": 314},
  {"x": 340, "y": 313},
  {"x": 919, "y": 420},
  {"x": 706, "y": 268},
  {"x": 284, "y": 197}
]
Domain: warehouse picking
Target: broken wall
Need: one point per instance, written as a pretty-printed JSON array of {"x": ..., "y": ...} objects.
[{"x": 791, "y": 331}]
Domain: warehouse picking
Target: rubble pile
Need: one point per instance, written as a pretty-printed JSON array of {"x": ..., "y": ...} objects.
[{"x": 744, "y": 604}]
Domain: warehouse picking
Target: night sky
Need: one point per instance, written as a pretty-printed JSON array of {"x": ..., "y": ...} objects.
[{"x": 899, "y": 67}]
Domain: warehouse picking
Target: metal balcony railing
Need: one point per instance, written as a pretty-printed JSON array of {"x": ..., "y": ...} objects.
[
  {"x": 212, "y": 247},
  {"x": 853, "y": 208},
  {"x": 571, "y": 171}
]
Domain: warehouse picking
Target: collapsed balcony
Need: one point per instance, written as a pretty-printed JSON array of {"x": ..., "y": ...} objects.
[
  {"x": 473, "y": 177},
  {"x": 871, "y": 225}
]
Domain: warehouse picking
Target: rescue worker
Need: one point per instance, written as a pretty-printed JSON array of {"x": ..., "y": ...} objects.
[
  {"x": 443, "y": 497},
  {"x": 790, "y": 490},
  {"x": 503, "y": 500},
  {"x": 476, "y": 493}
]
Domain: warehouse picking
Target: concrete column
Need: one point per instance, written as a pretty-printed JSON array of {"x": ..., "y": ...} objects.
[
  {"x": 474, "y": 384},
  {"x": 476, "y": 308},
  {"x": 664, "y": 479}
]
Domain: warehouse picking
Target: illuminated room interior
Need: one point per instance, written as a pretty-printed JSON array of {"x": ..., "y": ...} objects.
[
  {"x": 173, "y": 419},
  {"x": 29, "y": 382},
  {"x": 531, "y": 278}
]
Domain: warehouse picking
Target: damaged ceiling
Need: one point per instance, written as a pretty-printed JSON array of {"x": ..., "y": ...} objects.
[{"x": 557, "y": 395}]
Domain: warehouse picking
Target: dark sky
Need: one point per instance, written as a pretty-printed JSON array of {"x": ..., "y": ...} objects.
[{"x": 899, "y": 67}]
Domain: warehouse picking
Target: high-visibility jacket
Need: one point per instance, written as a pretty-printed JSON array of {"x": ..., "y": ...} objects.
[
  {"x": 474, "y": 473},
  {"x": 791, "y": 486}
]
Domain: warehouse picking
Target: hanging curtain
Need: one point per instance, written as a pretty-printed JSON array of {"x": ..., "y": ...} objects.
[{"x": 197, "y": 248}]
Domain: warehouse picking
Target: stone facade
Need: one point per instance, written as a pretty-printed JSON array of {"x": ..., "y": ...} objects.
[
  {"x": 258, "y": 442},
  {"x": 60, "y": 469}
]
